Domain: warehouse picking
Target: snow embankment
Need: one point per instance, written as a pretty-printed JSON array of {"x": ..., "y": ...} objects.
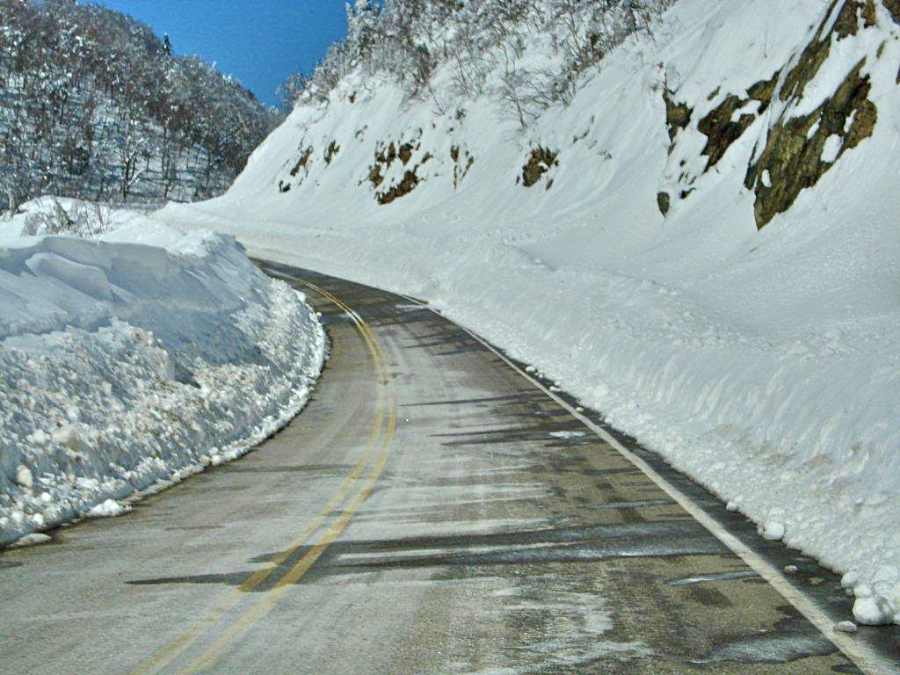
[
  {"x": 764, "y": 363},
  {"x": 134, "y": 359}
]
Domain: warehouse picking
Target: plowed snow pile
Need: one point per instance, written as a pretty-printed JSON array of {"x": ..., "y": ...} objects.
[
  {"x": 134, "y": 359},
  {"x": 703, "y": 245}
]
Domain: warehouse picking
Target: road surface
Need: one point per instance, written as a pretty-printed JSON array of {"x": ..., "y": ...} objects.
[{"x": 433, "y": 510}]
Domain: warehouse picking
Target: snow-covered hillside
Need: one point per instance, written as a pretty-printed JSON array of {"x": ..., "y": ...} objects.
[
  {"x": 701, "y": 243},
  {"x": 133, "y": 357}
]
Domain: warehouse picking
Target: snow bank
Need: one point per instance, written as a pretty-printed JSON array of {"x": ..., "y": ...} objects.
[
  {"x": 763, "y": 363},
  {"x": 134, "y": 359}
]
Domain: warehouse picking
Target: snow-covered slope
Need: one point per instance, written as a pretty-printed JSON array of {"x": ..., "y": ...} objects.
[
  {"x": 133, "y": 360},
  {"x": 703, "y": 245}
]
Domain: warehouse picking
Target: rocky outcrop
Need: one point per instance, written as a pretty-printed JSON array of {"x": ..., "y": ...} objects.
[
  {"x": 800, "y": 149},
  {"x": 539, "y": 162},
  {"x": 728, "y": 122}
]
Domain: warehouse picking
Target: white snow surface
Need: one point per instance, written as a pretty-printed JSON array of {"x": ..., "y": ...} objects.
[
  {"x": 133, "y": 358},
  {"x": 765, "y": 364}
]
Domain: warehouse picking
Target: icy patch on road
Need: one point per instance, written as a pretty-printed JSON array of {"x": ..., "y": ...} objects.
[
  {"x": 134, "y": 359},
  {"x": 572, "y": 623},
  {"x": 567, "y": 435}
]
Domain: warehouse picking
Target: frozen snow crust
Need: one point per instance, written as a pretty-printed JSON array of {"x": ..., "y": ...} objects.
[
  {"x": 765, "y": 364},
  {"x": 134, "y": 360}
]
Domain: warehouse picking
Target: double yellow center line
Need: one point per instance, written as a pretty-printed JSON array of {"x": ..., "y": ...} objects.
[{"x": 174, "y": 649}]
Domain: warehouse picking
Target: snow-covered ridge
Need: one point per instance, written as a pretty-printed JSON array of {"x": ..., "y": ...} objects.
[
  {"x": 135, "y": 359},
  {"x": 615, "y": 244}
]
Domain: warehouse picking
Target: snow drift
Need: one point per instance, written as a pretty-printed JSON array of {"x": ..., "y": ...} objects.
[
  {"x": 702, "y": 245},
  {"x": 134, "y": 359}
]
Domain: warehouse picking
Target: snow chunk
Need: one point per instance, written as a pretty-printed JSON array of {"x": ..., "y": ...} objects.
[
  {"x": 773, "y": 531},
  {"x": 873, "y": 610},
  {"x": 849, "y": 580},
  {"x": 68, "y": 437},
  {"x": 846, "y": 627},
  {"x": 108, "y": 509},
  {"x": 33, "y": 539},
  {"x": 24, "y": 478}
]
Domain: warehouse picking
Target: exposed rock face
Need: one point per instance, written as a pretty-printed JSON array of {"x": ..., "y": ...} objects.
[
  {"x": 403, "y": 188},
  {"x": 720, "y": 126},
  {"x": 385, "y": 156},
  {"x": 331, "y": 151},
  {"x": 405, "y": 153},
  {"x": 678, "y": 115},
  {"x": 795, "y": 156},
  {"x": 664, "y": 202},
  {"x": 799, "y": 150},
  {"x": 303, "y": 162},
  {"x": 462, "y": 162},
  {"x": 539, "y": 163}
]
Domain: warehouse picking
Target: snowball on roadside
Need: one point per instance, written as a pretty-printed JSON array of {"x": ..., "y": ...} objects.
[
  {"x": 849, "y": 580},
  {"x": 731, "y": 506},
  {"x": 846, "y": 627},
  {"x": 873, "y": 611},
  {"x": 790, "y": 569},
  {"x": 108, "y": 509},
  {"x": 32, "y": 540},
  {"x": 23, "y": 477},
  {"x": 773, "y": 531}
]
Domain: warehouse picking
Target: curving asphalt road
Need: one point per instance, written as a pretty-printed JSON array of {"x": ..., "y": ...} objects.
[{"x": 434, "y": 510}]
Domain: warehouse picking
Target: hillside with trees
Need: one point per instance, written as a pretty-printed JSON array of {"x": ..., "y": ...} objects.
[
  {"x": 527, "y": 55},
  {"x": 94, "y": 105}
]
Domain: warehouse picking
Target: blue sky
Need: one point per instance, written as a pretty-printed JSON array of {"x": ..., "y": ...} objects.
[{"x": 260, "y": 42}]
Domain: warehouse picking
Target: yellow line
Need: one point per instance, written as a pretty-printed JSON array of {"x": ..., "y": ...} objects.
[
  {"x": 271, "y": 598},
  {"x": 240, "y": 627},
  {"x": 172, "y": 650}
]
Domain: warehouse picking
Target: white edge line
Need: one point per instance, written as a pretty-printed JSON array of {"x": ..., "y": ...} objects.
[{"x": 860, "y": 654}]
